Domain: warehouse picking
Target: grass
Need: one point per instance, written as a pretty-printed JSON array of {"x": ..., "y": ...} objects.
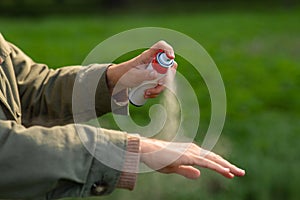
[{"x": 257, "y": 54}]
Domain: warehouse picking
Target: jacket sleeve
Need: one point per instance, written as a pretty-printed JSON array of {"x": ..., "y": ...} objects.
[
  {"x": 59, "y": 161},
  {"x": 47, "y": 95}
]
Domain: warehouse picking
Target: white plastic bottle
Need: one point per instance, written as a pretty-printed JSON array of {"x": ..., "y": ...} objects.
[{"x": 160, "y": 63}]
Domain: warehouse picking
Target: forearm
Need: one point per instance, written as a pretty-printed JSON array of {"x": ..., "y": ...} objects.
[
  {"x": 50, "y": 100},
  {"x": 46, "y": 95},
  {"x": 37, "y": 160}
]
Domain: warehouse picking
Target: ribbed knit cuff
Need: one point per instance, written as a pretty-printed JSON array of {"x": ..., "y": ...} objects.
[{"x": 128, "y": 176}]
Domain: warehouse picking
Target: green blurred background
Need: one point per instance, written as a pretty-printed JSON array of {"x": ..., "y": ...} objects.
[{"x": 256, "y": 46}]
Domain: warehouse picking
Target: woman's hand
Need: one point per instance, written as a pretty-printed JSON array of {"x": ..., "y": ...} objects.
[
  {"x": 132, "y": 73},
  {"x": 182, "y": 158}
]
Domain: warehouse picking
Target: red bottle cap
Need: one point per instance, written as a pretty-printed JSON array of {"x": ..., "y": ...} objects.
[{"x": 161, "y": 62}]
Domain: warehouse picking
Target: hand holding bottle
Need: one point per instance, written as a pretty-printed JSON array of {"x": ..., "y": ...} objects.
[
  {"x": 133, "y": 72},
  {"x": 161, "y": 63}
]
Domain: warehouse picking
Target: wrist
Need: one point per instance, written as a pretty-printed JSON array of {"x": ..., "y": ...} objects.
[
  {"x": 111, "y": 77},
  {"x": 148, "y": 147},
  {"x": 114, "y": 73}
]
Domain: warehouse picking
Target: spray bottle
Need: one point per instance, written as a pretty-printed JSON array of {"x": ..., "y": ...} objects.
[{"x": 161, "y": 63}]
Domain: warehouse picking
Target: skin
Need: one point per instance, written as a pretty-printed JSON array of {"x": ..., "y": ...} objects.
[
  {"x": 162, "y": 156},
  {"x": 183, "y": 158},
  {"x": 132, "y": 73}
]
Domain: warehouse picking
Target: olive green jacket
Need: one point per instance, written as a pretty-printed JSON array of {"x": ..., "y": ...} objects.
[{"x": 41, "y": 154}]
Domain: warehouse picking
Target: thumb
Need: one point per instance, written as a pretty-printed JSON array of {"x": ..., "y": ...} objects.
[
  {"x": 136, "y": 76},
  {"x": 145, "y": 75},
  {"x": 151, "y": 75},
  {"x": 189, "y": 172}
]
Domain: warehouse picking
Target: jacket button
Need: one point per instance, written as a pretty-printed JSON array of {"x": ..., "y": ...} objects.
[{"x": 99, "y": 188}]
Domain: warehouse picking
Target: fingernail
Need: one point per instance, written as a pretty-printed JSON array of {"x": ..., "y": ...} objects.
[
  {"x": 148, "y": 93},
  {"x": 171, "y": 54},
  {"x": 160, "y": 82}
]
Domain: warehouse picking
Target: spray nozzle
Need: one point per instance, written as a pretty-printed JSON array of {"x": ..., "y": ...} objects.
[{"x": 164, "y": 60}]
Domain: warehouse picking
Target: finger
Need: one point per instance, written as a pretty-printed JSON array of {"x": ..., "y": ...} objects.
[
  {"x": 175, "y": 65},
  {"x": 154, "y": 91},
  {"x": 136, "y": 76},
  {"x": 140, "y": 75},
  {"x": 206, "y": 163},
  {"x": 170, "y": 54},
  {"x": 218, "y": 159},
  {"x": 150, "y": 96},
  {"x": 161, "y": 45},
  {"x": 187, "y": 171}
]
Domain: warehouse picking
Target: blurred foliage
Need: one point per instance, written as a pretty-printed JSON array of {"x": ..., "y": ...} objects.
[
  {"x": 47, "y": 7},
  {"x": 257, "y": 54}
]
